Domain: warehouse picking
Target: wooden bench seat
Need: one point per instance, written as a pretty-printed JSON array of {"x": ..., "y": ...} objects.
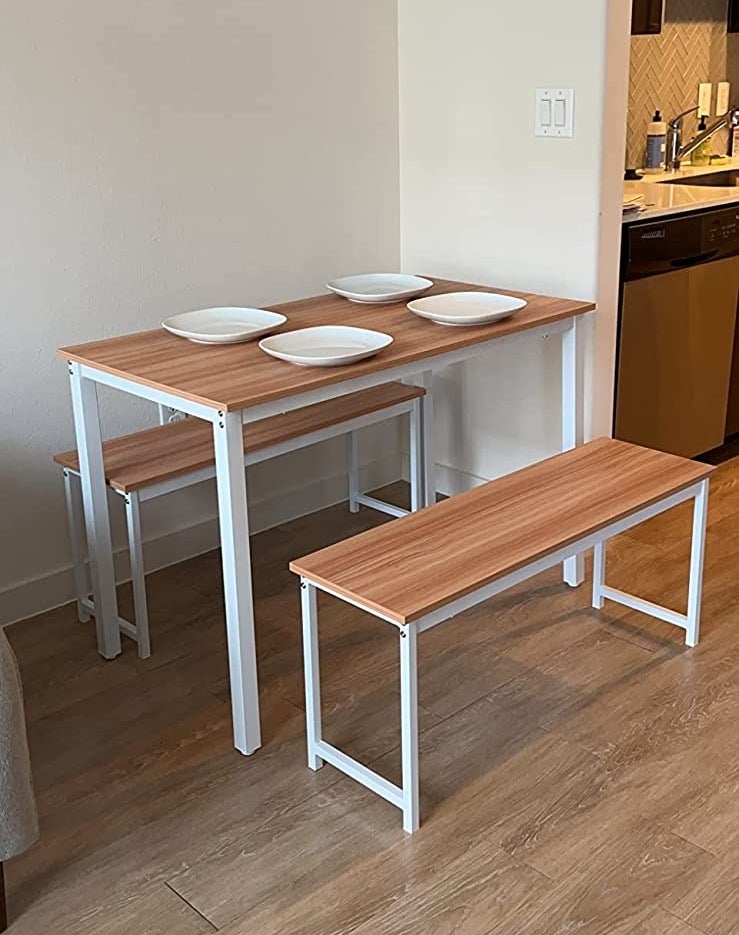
[
  {"x": 434, "y": 564},
  {"x": 142, "y": 459},
  {"x": 156, "y": 461}
]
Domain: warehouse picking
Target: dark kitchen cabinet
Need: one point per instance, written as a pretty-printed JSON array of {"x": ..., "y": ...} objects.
[
  {"x": 733, "y": 15},
  {"x": 647, "y": 15}
]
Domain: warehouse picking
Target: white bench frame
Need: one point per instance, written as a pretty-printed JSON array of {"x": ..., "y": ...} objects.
[
  {"x": 406, "y": 797},
  {"x": 139, "y": 630}
]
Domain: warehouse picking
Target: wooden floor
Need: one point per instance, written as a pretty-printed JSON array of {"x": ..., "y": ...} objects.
[{"x": 580, "y": 769}]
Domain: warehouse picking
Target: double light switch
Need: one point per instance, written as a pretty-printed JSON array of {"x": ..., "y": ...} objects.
[{"x": 555, "y": 112}]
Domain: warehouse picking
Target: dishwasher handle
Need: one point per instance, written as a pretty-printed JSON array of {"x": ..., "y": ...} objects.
[{"x": 697, "y": 258}]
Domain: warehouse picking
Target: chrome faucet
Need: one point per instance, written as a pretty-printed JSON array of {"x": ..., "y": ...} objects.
[{"x": 676, "y": 152}]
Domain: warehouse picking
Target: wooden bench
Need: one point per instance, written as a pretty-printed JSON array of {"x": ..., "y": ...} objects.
[
  {"x": 169, "y": 457},
  {"x": 439, "y": 562}
]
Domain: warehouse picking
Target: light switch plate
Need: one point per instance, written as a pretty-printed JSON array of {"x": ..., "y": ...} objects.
[
  {"x": 555, "y": 112},
  {"x": 722, "y": 98},
  {"x": 705, "y": 94}
]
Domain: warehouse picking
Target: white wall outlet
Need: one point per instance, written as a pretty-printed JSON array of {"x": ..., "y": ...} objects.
[
  {"x": 722, "y": 98},
  {"x": 555, "y": 112},
  {"x": 705, "y": 95}
]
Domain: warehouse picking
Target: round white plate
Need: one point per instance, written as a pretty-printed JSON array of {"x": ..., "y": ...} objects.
[
  {"x": 325, "y": 345},
  {"x": 466, "y": 308},
  {"x": 379, "y": 288},
  {"x": 223, "y": 325}
]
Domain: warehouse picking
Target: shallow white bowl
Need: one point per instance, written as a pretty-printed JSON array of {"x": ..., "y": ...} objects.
[
  {"x": 325, "y": 345},
  {"x": 379, "y": 288},
  {"x": 466, "y": 308},
  {"x": 223, "y": 325}
]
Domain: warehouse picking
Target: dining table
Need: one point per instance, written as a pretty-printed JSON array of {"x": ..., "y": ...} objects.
[{"x": 230, "y": 385}]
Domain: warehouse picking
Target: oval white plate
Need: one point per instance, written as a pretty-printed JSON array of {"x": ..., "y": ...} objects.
[
  {"x": 379, "y": 288},
  {"x": 466, "y": 308},
  {"x": 325, "y": 345},
  {"x": 223, "y": 325}
]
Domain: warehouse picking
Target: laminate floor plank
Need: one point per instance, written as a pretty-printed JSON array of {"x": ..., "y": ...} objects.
[
  {"x": 710, "y": 897},
  {"x": 579, "y": 767},
  {"x": 492, "y": 900},
  {"x": 155, "y": 910},
  {"x": 621, "y": 890},
  {"x": 661, "y": 922}
]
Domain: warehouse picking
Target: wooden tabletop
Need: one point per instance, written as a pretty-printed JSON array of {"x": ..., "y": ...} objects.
[
  {"x": 238, "y": 376},
  {"x": 414, "y": 565}
]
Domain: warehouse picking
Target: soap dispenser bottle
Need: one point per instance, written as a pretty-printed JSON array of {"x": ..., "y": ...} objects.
[
  {"x": 702, "y": 154},
  {"x": 656, "y": 144}
]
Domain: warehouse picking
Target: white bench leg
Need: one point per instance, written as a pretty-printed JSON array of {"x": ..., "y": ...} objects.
[
  {"x": 76, "y": 522},
  {"x": 599, "y": 574},
  {"x": 352, "y": 464},
  {"x": 404, "y": 797},
  {"x": 417, "y": 464},
  {"x": 312, "y": 670},
  {"x": 689, "y": 622},
  {"x": 409, "y": 726},
  {"x": 697, "y": 553},
  {"x": 138, "y": 574}
]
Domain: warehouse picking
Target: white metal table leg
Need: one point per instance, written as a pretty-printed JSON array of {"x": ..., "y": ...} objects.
[
  {"x": 75, "y": 520},
  {"x": 572, "y": 427},
  {"x": 429, "y": 461},
  {"x": 409, "y": 726},
  {"x": 416, "y": 456},
  {"x": 352, "y": 465},
  {"x": 312, "y": 671},
  {"x": 97, "y": 519},
  {"x": 599, "y": 574},
  {"x": 138, "y": 574},
  {"x": 697, "y": 552},
  {"x": 237, "y": 583}
]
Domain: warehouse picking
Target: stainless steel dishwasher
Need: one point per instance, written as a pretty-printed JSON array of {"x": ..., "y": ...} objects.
[{"x": 677, "y": 328}]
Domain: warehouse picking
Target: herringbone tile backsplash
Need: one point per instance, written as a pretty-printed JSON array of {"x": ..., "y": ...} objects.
[{"x": 667, "y": 69}]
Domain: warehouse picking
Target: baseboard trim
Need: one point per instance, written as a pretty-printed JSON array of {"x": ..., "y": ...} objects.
[
  {"x": 38, "y": 595},
  {"x": 449, "y": 481}
]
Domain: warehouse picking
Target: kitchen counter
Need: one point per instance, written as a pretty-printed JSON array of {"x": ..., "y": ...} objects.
[{"x": 662, "y": 200}]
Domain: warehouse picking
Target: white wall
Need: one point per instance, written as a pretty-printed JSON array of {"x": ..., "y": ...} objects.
[
  {"x": 483, "y": 199},
  {"x": 160, "y": 156}
]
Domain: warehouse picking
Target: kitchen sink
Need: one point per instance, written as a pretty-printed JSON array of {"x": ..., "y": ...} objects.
[{"x": 728, "y": 178}]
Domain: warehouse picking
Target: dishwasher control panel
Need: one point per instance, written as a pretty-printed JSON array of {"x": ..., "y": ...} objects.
[
  {"x": 722, "y": 229},
  {"x": 680, "y": 242}
]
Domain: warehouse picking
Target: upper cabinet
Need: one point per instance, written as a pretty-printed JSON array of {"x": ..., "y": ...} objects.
[
  {"x": 647, "y": 16},
  {"x": 733, "y": 15}
]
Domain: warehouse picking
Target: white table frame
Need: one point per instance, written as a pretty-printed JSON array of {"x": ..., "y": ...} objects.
[{"x": 231, "y": 485}]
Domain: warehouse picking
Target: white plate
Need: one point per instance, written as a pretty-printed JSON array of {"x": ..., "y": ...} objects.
[
  {"x": 223, "y": 325},
  {"x": 325, "y": 345},
  {"x": 379, "y": 288},
  {"x": 466, "y": 308}
]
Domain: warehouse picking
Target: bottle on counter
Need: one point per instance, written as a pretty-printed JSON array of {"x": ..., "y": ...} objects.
[
  {"x": 702, "y": 154},
  {"x": 656, "y": 144}
]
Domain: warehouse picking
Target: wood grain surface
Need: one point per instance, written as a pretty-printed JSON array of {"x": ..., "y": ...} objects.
[
  {"x": 590, "y": 785},
  {"x": 238, "y": 376},
  {"x": 432, "y": 557},
  {"x": 166, "y": 451}
]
